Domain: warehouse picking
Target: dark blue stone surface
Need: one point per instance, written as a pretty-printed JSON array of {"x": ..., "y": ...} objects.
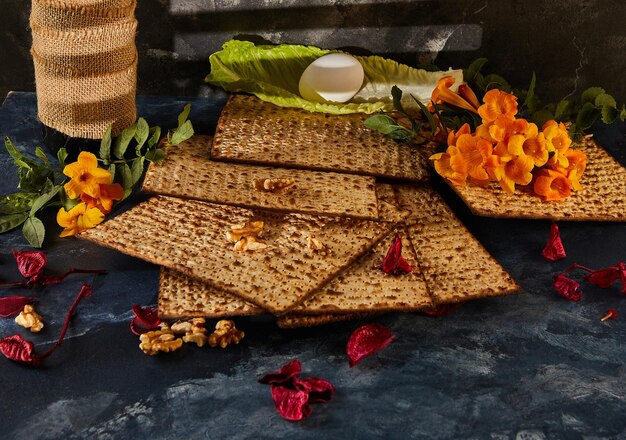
[{"x": 528, "y": 366}]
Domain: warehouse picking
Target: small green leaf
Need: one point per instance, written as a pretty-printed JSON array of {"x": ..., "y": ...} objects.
[
  {"x": 622, "y": 113},
  {"x": 137, "y": 169},
  {"x": 184, "y": 115},
  {"x": 497, "y": 82},
  {"x": 473, "y": 69},
  {"x": 155, "y": 136},
  {"x": 388, "y": 126},
  {"x": 125, "y": 178},
  {"x": 562, "y": 110},
  {"x": 182, "y": 133},
  {"x": 590, "y": 94},
  {"x": 17, "y": 202},
  {"x": 141, "y": 135},
  {"x": 122, "y": 141},
  {"x": 586, "y": 117},
  {"x": 42, "y": 156},
  {"x": 530, "y": 94},
  {"x": 61, "y": 156},
  {"x": 609, "y": 114},
  {"x": 105, "y": 146},
  {"x": 12, "y": 221},
  {"x": 112, "y": 169},
  {"x": 34, "y": 231},
  {"x": 40, "y": 201},
  {"x": 66, "y": 202},
  {"x": 604, "y": 99},
  {"x": 396, "y": 95},
  {"x": 155, "y": 156},
  {"x": 429, "y": 116}
]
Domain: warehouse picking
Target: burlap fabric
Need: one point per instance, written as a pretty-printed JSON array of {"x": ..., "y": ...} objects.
[{"x": 85, "y": 65}]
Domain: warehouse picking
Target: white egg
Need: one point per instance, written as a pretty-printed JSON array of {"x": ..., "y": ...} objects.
[{"x": 335, "y": 77}]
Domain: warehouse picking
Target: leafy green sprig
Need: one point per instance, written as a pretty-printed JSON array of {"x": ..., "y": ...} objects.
[{"x": 41, "y": 183}]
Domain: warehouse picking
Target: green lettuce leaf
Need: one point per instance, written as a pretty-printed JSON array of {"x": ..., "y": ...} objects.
[{"x": 273, "y": 72}]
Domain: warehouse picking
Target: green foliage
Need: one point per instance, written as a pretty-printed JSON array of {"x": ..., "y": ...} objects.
[{"x": 41, "y": 183}]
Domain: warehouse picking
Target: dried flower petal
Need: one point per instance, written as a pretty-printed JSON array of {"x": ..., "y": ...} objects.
[
  {"x": 320, "y": 390},
  {"x": 605, "y": 277},
  {"x": 554, "y": 249},
  {"x": 47, "y": 280},
  {"x": 146, "y": 319},
  {"x": 610, "y": 314},
  {"x": 442, "y": 310},
  {"x": 393, "y": 262},
  {"x": 17, "y": 349},
  {"x": 30, "y": 263},
  {"x": 284, "y": 375},
  {"x": 567, "y": 288},
  {"x": 12, "y": 305},
  {"x": 291, "y": 404},
  {"x": 367, "y": 340}
]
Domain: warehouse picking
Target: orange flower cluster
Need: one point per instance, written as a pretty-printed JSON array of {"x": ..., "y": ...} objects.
[
  {"x": 92, "y": 185},
  {"x": 509, "y": 150}
]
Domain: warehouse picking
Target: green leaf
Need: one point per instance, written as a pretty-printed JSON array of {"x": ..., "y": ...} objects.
[
  {"x": 40, "y": 201},
  {"x": 609, "y": 114},
  {"x": 12, "y": 221},
  {"x": 182, "y": 133},
  {"x": 604, "y": 99},
  {"x": 381, "y": 123},
  {"x": 17, "y": 202},
  {"x": 34, "y": 231},
  {"x": 155, "y": 156},
  {"x": 562, "y": 110},
  {"x": 141, "y": 135},
  {"x": 586, "y": 117},
  {"x": 66, "y": 202},
  {"x": 429, "y": 116},
  {"x": 396, "y": 95},
  {"x": 473, "y": 69},
  {"x": 61, "y": 156},
  {"x": 42, "y": 156},
  {"x": 530, "y": 94},
  {"x": 590, "y": 94},
  {"x": 112, "y": 169},
  {"x": 622, "y": 113},
  {"x": 122, "y": 141},
  {"x": 105, "y": 146},
  {"x": 155, "y": 136},
  {"x": 137, "y": 169},
  {"x": 184, "y": 115},
  {"x": 497, "y": 82},
  {"x": 125, "y": 178}
]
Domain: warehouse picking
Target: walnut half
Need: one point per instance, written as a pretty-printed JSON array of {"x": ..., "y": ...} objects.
[
  {"x": 225, "y": 334},
  {"x": 246, "y": 236},
  {"x": 159, "y": 340},
  {"x": 273, "y": 185},
  {"x": 30, "y": 319}
]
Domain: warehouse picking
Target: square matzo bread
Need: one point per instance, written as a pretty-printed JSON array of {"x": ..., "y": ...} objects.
[
  {"x": 190, "y": 236},
  {"x": 254, "y": 131},
  {"x": 189, "y": 172}
]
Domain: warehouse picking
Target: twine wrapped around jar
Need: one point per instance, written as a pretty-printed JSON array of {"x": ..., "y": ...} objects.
[{"x": 85, "y": 63}]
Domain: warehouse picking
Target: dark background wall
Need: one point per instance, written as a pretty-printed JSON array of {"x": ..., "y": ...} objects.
[{"x": 570, "y": 44}]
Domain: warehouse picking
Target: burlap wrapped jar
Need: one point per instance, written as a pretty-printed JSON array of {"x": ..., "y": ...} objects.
[{"x": 85, "y": 65}]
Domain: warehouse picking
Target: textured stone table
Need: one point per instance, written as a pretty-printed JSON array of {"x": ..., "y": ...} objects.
[{"x": 528, "y": 366}]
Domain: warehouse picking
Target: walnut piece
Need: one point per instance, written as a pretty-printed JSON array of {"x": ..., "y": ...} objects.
[
  {"x": 274, "y": 185},
  {"x": 225, "y": 334},
  {"x": 314, "y": 245},
  {"x": 159, "y": 340},
  {"x": 194, "y": 331},
  {"x": 246, "y": 236},
  {"x": 30, "y": 319}
]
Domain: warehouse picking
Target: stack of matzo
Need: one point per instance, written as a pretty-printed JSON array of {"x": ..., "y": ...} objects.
[{"x": 353, "y": 218}]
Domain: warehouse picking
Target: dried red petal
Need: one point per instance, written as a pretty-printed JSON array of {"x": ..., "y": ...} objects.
[
  {"x": 603, "y": 277},
  {"x": 622, "y": 276},
  {"x": 30, "y": 263},
  {"x": 320, "y": 390},
  {"x": 567, "y": 288},
  {"x": 46, "y": 280},
  {"x": 146, "y": 319},
  {"x": 610, "y": 314},
  {"x": 442, "y": 310},
  {"x": 17, "y": 349},
  {"x": 554, "y": 249},
  {"x": 394, "y": 263},
  {"x": 12, "y": 305},
  {"x": 367, "y": 340},
  {"x": 284, "y": 375},
  {"x": 291, "y": 404}
]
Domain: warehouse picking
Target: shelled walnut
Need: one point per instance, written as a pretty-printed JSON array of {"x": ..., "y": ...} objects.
[
  {"x": 159, "y": 341},
  {"x": 194, "y": 331},
  {"x": 225, "y": 334},
  {"x": 30, "y": 319},
  {"x": 314, "y": 245},
  {"x": 246, "y": 236},
  {"x": 274, "y": 185}
]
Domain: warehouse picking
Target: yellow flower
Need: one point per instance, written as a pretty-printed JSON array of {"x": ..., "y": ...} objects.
[
  {"x": 472, "y": 155},
  {"x": 557, "y": 142},
  {"x": 442, "y": 94},
  {"x": 552, "y": 185},
  {"x": 513, "y": 170},
  {"x": 78, "y": 219},
  {"x": 497, "y": 103},
  {"x": 443, "y": 168},
  {"x": 108, "y": 193},
  {"x": 85, "y": 176}
]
